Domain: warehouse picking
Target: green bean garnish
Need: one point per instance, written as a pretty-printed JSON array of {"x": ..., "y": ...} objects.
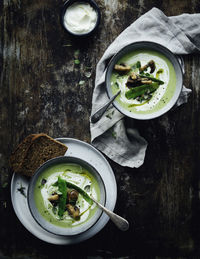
[
  {"x": 78, "y": 189},
  {"x": 141, "y": 90},
  {"x": 62, "y": 187}
]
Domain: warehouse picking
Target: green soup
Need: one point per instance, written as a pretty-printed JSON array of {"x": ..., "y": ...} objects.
[
  {"x": 160, "y": 97},
  {"x": 45, "y": 187}
]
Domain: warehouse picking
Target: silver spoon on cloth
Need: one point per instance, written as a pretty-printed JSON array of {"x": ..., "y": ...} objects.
[
  {"x": 120, "y": 222},
  {"x": 99, "y": 113}
]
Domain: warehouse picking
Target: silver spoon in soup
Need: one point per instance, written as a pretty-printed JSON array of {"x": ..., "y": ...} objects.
[{"x": 120, "y": 222}]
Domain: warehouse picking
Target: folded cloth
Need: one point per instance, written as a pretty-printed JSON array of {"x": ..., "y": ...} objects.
[{"x": 181, "y": 34}]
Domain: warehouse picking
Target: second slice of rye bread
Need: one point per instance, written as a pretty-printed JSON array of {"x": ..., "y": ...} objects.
[{"x": 41, "y": 149}]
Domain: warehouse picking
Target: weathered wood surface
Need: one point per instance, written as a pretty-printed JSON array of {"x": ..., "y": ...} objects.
[{"x": 40, "y": 92}]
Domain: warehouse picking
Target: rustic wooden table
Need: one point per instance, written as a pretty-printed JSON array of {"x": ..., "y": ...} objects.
[{"x": 41, "y": 92}]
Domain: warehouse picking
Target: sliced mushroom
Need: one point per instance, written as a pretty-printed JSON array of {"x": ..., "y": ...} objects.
[
  {"x": 122, "y": 68},
  {"x": 73, "y": 211},
  {"x": 72, "y": 196},
  {"x": 146, "y": 82},
  {"x": 150, "y": 64},
  {"x": 130, "y": 82},
  {"x": 134, "y": 76},
  {"x": 53, "y": 197},
  {"x": 143, "y": 68},
  {"x": 133, "y": 80}
]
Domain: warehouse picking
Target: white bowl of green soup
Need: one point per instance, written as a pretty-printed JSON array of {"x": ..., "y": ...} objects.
[
  {"x": 59, "y": 196},
  {"x": 149, "y": 77}
]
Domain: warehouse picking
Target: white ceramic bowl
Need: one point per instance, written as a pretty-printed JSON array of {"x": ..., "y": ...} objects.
[{"x": 145, "y": 45}]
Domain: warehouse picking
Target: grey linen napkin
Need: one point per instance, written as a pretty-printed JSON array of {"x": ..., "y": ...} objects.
[{"x": 181, "y": 34}]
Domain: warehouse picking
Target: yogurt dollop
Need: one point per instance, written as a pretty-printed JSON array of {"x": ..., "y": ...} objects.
[{"x": 80, "y": 18}]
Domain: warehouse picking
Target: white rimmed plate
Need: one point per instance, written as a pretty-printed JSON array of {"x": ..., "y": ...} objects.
[{"x": 96, "y": 159}]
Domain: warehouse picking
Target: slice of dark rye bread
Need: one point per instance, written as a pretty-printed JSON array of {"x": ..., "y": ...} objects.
[
  {"x": 18, "y": 155},
  {"x": 41, "y": 148}
]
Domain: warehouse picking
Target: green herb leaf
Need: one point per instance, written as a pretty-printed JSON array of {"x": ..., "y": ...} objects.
[
  {"x": 81, "y": 82},
  {"x": 50, "y": 65},
  {"x": 4, "y": 185},
  {"x": 54, "y": 210},
  {"x": 87, "y": 188},
  {"x": 114, "y": 134},
  {"x": 109, "y": 115},
  {"x": 63, "y": 197},
  {"x": 77, "y": 61},
  {"x": 116, "y": 85},
  {"x": 88, "y": 68},
  {"x": 22, "y": 190},
  {"x": 138, "y": 64},
  {"x": 67, "y": 45},
  {"x": 76, "y": 53},
  {"x": 87, "y": 74}
]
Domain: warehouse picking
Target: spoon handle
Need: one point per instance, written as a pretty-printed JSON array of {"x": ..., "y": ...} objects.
[
  {"x": 99, "y": 113},
  {"x": 120, "y": 222}
]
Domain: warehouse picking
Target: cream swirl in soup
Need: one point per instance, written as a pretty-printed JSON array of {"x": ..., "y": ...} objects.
[{"x": 47, "y": 194}]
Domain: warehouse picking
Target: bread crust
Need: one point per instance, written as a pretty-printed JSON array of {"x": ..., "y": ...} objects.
[
  {"x": 41, "y": 148},
  {"x": 19, "y": 153}
]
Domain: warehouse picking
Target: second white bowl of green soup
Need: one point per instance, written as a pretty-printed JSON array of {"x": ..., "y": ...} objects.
[
  {"x": 149, "y": 77},
  {"x": 59, "y": 196}
]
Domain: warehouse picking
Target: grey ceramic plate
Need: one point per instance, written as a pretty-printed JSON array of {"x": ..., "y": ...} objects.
[
  {"x": 96, "y": 159},
  {"x": 148, "y": 46},
  {"x": 41, "y": 220}
]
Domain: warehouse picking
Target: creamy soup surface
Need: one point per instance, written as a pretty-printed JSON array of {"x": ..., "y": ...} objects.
[
  {"x": 160, "y": 97},
  {"x": 75, "y": 174}
]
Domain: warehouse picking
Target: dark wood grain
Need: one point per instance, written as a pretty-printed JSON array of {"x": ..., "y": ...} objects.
[{"x": 40, "y": 92}]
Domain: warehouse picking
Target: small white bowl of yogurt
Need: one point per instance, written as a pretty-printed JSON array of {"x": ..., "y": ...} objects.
[{"x": 80, "y": 18}]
